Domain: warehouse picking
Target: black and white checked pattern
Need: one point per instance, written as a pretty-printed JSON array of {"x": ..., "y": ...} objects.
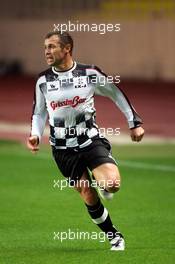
[
  {"x": 80, "y": 135},
  {"x": 67, "y": 97}
]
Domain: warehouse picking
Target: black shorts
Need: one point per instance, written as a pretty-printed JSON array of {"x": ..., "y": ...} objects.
[{"x": 73, "y": 163}]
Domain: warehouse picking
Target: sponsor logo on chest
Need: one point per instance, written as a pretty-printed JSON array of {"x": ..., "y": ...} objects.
[{"x": 68, "y": 102}]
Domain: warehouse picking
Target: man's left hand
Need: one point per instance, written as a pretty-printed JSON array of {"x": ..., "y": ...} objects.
[{"x": 137, "y": 134}]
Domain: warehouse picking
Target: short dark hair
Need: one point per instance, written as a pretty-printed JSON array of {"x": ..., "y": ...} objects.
[{"x": 65, "y": 38}]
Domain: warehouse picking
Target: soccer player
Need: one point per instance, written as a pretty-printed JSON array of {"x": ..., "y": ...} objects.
[{"x": 65, "y": 93}]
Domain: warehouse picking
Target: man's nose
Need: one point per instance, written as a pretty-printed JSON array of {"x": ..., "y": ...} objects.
[{"x": 47, "y": 51}]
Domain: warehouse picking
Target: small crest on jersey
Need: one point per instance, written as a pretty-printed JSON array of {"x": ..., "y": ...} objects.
[
  {"x": 80, "y": 83},
  {"x": 53, "y": 87}
]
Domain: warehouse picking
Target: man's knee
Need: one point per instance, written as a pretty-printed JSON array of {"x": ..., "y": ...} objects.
[
  {"x": 108, "y": 177},
  {"x": 112, "y": 184}
]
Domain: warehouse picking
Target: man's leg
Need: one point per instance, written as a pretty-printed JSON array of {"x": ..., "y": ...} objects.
[
  {"x": 107, "y": 175},
  {"x": 98, "y": 212}
]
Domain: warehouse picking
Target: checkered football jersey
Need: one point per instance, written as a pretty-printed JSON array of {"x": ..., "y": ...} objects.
[{"x": 67, "y": 97}]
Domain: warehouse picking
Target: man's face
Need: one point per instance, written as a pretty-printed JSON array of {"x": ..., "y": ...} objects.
[{"x": 54, "y": 51}]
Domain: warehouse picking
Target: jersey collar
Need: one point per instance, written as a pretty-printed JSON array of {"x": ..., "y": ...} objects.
[{"x": 71, "y": 69}]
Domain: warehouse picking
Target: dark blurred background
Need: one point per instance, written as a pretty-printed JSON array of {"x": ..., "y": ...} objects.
[{"x": 141, "y": 53}]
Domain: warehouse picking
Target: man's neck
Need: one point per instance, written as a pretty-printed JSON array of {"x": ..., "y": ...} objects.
[{"x": 65, "y": 66}]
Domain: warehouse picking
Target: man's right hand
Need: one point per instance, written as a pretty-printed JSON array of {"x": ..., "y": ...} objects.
[{"x": 33, "y": 143}]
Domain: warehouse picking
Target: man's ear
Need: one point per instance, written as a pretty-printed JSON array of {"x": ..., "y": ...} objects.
[{"x": 67, "y": 48}]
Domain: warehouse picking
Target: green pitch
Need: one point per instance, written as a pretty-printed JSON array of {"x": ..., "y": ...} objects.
[{"x": 31, "y": 209}]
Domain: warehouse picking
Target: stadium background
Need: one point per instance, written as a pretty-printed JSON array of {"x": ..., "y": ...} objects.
[{"x": 142, "y": 53}]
